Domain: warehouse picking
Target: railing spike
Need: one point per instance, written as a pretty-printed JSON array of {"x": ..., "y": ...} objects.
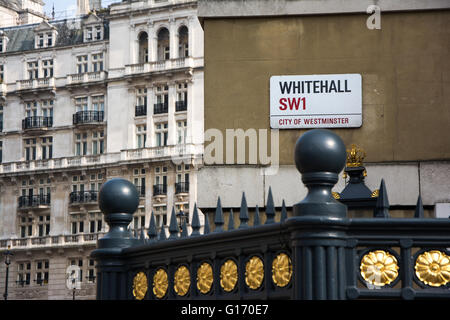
[
  {"x": 382, "y": 205},
  {"x": 283, "y": 212},
  {"x": 419, "y": 213},
  {"x": 231, "y": 220},
  {"x": 270, "y": 208},
  {"x": 142, "y": 236},
  {"x": 162, "y": 234},
  {"x": 206, "y": 229},
  {"x": 195, "y": 222},
  {"x": 243, "y": 214},
  {"x": 184, "y": 230},
  {"x": 256, "y": 221},
  {"x": 173, "y": 226},
  {"x": 152, "y": 234},
  {"x": 218, "y": 218}
]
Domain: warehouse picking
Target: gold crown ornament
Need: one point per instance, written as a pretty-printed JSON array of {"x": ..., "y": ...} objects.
[{"x": 355, "y": 156}]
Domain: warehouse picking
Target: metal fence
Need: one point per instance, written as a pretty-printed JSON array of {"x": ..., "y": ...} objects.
[{"x": 318, "y": 253}]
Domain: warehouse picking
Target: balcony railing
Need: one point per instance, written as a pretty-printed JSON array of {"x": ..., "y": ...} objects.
[
  {"x": 159, "y": 189},
  {"x": 83, "y": 117},
  {"x": 140, "y": 111},
  {"x": 160, "y": 108},
  {"x": 83, "y": 196},
  {"x": 180, "y": 105},
  {"x": 34, "y": 201},
  {"x": 86, "y": 77},
  {"x": 181, "y": 187},
  {"x": 40, "y": 83},
  {"x": 140, "y": 190},
  {"x": 37, "y": 122}
]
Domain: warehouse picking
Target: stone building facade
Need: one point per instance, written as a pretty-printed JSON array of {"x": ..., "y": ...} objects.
[{"x": 117, "y": 93}]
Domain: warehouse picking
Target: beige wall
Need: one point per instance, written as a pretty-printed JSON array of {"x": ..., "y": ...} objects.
[{"x": 405, "y": 70}]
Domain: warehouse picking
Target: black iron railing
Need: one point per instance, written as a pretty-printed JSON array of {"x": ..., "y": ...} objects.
[
  {"x": 181, "y": 187},
  {"x": 36, "y": 122},
  {"x": 88, "y": 117},
  {"x": 160, "y": 108},
  {"x": 140, "y": 111},
  {"x": 34, "y": 201},
  {"x": 83, "y": 196},
  {"x": 181, "y": 105},
  {"x": 159, "y": 189}
]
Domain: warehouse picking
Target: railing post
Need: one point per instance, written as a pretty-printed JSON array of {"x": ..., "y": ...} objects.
[
  {"x": 118, "y": 200},
  {"x": 318, "y": 226}
]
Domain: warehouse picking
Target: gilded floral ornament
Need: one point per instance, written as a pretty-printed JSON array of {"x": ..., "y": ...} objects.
[
  {"x": 433, "y": 268},
  {"x": 204, "y": 278},
  {"x": 254, "y": 273},
  {"x": 140, "y": 286},
  {"x": 228, "y": 275},
  {"x": 281, "y": 270},
  {"x": 160, "y": 283},
  {"x": 379, "y": 268},
  {"x": 182, "y": 281},
  {"x": 355, "y": 156}
]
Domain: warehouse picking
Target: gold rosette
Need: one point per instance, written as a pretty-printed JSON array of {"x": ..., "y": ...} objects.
[
  {"x": 433, "y": 268},
  {"x": 254, "y": 273},
  {"x": 228, "y": 275},
  {"x": 204, "y": 278},
  {"x": 281, "y": 270},
  {"x": 379, "y": 268},
  {"x": 140, "y": 286},
  {"x": 182, "y": 281},
  {"x": 160, "y": 283}
]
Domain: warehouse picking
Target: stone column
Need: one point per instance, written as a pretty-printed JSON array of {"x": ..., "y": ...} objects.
[
  {"x": 173, "y": 39},
  {"x": 171, "y": 123}
]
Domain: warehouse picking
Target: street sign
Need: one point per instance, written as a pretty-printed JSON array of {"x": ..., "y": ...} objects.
[{"x": 315, "y": 101}]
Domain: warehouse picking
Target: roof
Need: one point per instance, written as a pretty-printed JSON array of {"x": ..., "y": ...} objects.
[{"x": 21, "y": 38}]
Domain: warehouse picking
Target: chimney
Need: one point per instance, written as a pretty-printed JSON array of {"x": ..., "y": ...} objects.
[{"x": 82, "y": 7}]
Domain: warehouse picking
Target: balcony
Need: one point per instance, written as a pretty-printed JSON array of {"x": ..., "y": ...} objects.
[
  {"x": 160, "y": 108},
  {"x": 159, "y": 189},
  {"x": 86, "y": 78},
  {"x": 82, "y": 197},
  {"x": 88, "y": 117},
  {"x": 37, "y": 124},
  {"x": 140, "y": 190},
  {"x": 140, "y": 111},
  {"x": 35, "y": 84},
  {"x": 37, "y": 201},
  {"x": 181, "y": 187},
  {"x": 162, "y": 65},
  {"x": 180, "y": 106}
]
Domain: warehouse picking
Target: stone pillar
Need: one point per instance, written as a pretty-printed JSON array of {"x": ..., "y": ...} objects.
[
  {"x": 171, "y": 123},
  {"x": 173, "y": 39},
  {"x": 318, "y": 227},
  {"x": 118, "y": 200}
]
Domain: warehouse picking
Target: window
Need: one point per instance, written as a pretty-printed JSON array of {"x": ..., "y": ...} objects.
[
  {"x": 43, "y": 225},
  {"x": 160, "y": 215},
  {"x": 161, "y": 133},
  {"x": 1, "y": 118},
  {"x": 91, "y": 271},
  {"x": 95, "y": 222},
  {"x": 143, "y": 47},
  {"x": 77, "y": 225},
  {"x": 141, "y": 135},
  {"x": 33, "y": 70},
  {"x": 98, "y": 33},
  {"x": 1, "y": 151},
  {"x": 23, "y": 273},
  {"x": 89, "y": 33},
  {"x": 183, "y": 38},
  {"x": 2, "y": 73},
  {"x": 47, "y": 68},
  {"x": 25, "y": 224},
  {"x": 47, "y": 108},
  {"x": 31, "y": 109},
  {"x": 97, "y": 142},
  {"x": 81, "y": 144},
  {"x": 97, "y": 62},
  {"x": 162, "y": 99},
  {"x": 163, "y": 44},
  {"x": 49, "y": 39},
  {"x": 139, "y": 181},
  {"x": 139, "y": 219},
  {"x": 42, "y": 268},
  {"x": 181, "y": 132},
  {"x": 81, "y": 104},
  {"x": 98, "y": 103},
  {"x": 141, "y": 97},
  {"x": 30, "y": 149},
  {"x": 82, "y": 64},
  {"x": 2, "y": 45},
  {"x": 47, "y": 147},
  {"x": 41, "y": 40}
]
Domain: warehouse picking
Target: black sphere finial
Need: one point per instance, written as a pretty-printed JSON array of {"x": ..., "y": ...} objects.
[
  {"x": 118, "y": 196},
  {"x": 320, "y": 150}
]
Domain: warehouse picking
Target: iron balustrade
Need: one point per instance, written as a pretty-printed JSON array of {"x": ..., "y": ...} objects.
[
  {"x": 81, "y": 117},
  {"x": 83, "y": 196},
  {"x": 181, "y": 105},
  {"x": 160, "y": 108},
  {"x": 36, "y": 122},
  {"x": 34, "y": 200},
  {"x": 159, "y": 189},
  {"x": 181, "y": 187},
  {"x": 140, "y": 111}
]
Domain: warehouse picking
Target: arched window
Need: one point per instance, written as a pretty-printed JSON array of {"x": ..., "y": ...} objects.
[
  {"x": 163, "y": 44},
  {"x": 143, "y": 47},
  {"x": 183, "y": 42}
]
